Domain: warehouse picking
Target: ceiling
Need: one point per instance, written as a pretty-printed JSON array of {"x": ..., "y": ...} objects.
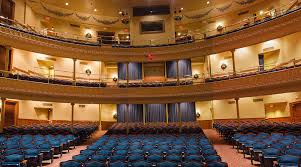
[{"x": 111, "y": 7}]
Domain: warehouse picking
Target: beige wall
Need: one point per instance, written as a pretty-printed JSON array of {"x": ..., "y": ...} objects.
[
  {"x": 63, "y": 67},
  {"x": 156, "y": 38},
  {"x": 61, "y": 111},
  {"x": 107, "y": 112},
  {"x": 247, "y": 57},
  {"x": 249, "y": 107}
]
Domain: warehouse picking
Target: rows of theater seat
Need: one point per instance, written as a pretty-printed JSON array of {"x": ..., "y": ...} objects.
[
  {"x": 241, "y": 75},
  {"x": 269, "y": 150},
  {"x": 229, "y": 128},
  {"x": 53, "y": 80},
  {"x": 155, "y": 128},
  {"x": 162, "y": 150},
  {"x": 155, "y": 84},
  {"x": 33, "y": 150},
  {"x": 81, "y": 130}
]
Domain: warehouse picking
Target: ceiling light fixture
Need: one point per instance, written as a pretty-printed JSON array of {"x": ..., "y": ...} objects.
[
  {"x": 208, "y": 2},
  {"x": 66, "y": 3},
  {"x": 182, "y": 8},
  {"x": 95, "y": 10}
]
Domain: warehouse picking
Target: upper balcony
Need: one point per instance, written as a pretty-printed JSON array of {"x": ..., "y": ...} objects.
[{"x": 239, "y": 35}]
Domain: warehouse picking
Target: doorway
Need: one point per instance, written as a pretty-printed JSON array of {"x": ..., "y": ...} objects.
[{"x": 11, "y": 113}]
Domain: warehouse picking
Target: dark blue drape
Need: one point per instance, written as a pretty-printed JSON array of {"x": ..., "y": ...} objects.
[
  {"x": 187, "y": 110},
  {"x": 155, "y": 113},
  {"x": 184, "y": 68},
  {"x": 135, "y": 113},
  {"x": 135, "y": 71}
]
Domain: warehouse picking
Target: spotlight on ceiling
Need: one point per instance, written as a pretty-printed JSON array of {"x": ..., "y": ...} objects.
[
  {"x": 95, "y": 10},
  {"x": 66, "y": 3},
  {"x": 208, "y": 2}
]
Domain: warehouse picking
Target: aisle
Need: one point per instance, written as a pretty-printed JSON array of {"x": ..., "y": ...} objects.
[
  {"x": 76, "y": 151},
  {"x": 226, "y": 151}
]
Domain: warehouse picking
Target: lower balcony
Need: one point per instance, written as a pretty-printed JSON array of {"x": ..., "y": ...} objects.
[{"x": 281, "y": 81}]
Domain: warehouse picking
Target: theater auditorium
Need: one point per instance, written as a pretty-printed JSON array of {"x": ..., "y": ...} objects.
[{"x": 150, "y": 83}]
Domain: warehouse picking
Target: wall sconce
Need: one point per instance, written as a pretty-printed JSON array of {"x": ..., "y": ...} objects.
[
  {"x": 219, "y": 28},
  {"x": 224, "y": 66},
  {"x": 195, "y": 76},
  {"x": 198, "y": 115},
  {"x": 115, "y": 79},
  {"x": 88, "y": 72},
  {"x": 88, "y": 35},
  {"x": 115, "y": 116}
]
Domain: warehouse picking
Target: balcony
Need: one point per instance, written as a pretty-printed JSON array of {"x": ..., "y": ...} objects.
[
  {"x": 229, "y": 38},
  {"x": 266, "y": 83}
]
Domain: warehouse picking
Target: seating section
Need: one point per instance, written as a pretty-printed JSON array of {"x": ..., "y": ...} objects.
[
  {"x": 80, "y": 130},
  {"x": 144, "y": 150},
  {"x": 33, "y": 150},
  {"x": 53, "y": 80},
  {"x": 229, "y": 128},
  {"x": 155, "y": 84},
  {"x": 155, "y": 128},
  {"x": 275, "y": 149},
  {"x": 247, "y": 74}
]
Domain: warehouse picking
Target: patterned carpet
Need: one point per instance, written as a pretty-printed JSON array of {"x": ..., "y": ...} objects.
[{"x": 225, "y": 150}]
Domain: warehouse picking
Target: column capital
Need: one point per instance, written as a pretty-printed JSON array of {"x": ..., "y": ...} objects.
[
  {"x": 72, "y": 104},
  {"x": 236, "y": 98},
  {"x": 3, "y": 98},
  {"x": 232, "y": 51},
  {"x": 74, "y": 59}
]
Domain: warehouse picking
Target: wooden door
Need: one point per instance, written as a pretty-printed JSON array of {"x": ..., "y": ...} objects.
[
  {"x": 11, "y": 113},
  {"x": 296, "y": 112},
  {"x": 7, "y": 9}
]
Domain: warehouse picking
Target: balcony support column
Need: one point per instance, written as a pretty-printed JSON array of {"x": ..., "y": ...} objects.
[
  {"x": 143, "y": 110},
  {"x": 99, "y": 115},
  {"x": 3, "y": 100},
  {"x": 127, "y": 119},
  {"x": 237, "y": 110},
  {"x": 209, "y": 66},
  {"x": 72, "y": 117},
  {"x": 178, "y": 75},
  {"x": 127, "y": 74},
  {"x": 166, "y": 112},
  {"x": 180, "y": 116},
  {"x": 233, "y": 61},
  {"x": 74, "y": 72}
]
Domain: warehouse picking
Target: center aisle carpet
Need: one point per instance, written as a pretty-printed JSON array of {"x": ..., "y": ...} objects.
[{"x": 226, "y": 151}]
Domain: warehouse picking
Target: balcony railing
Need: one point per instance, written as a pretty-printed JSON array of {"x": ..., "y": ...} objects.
[
  {"x": 187, "y": 38},
  {"x": 97, "y": 80}
]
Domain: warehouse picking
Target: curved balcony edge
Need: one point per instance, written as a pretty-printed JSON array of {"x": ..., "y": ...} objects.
[
  {"x": 288, "y": 80},
  {"x": 276, "y": 28}
]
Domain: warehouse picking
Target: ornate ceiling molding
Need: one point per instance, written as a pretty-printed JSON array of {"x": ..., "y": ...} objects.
[
  {"x": 262, "y": 84},
  {"x": 276, "y": 28}
]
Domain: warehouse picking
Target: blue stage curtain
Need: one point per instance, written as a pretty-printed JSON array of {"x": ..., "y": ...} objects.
[
  {"x": 155, "y": 113},
  {"x": 135, "y": 71},
  {"x": 187, "y": 109},
  {"x": 184, "y": 68},
  {"x": 135, "y": 113}
]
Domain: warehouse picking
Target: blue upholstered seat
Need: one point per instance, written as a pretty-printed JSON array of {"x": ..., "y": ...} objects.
[
  {"x": 288, "y": 160},
  {"x": 141, "y": 164},
  {"x": 167, "y": 164},
  {"x": 217, "y": 164},
  {"x": 80, "y": 158},
  {"x": 70, "y": 164},
  {"x": 94, "y": 164}
]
